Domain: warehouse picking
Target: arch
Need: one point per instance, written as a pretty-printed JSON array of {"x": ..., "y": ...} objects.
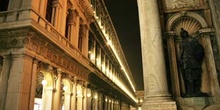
[
  {"x": 67, "y": 85},
  {"x": 49, "y": 77},
  {"x": 196, "y": 16}
]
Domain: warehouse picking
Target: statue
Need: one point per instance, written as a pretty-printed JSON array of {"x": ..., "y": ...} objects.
[{"x": 190, "y": 60}]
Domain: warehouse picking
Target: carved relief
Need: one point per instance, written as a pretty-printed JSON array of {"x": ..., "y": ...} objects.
[
  {"x": 51, "y": 53},
  {"x": 177, "y": 4}
]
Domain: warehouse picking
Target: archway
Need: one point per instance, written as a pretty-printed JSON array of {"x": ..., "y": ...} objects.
[{"x": 44, "y": 90}]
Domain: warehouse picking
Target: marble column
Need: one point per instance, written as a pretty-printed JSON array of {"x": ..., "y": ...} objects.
[
  {"x": 155, "y": 83},
  {"x": 57, "y": 94}
]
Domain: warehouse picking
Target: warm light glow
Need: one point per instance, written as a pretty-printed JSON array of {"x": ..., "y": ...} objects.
[
  {"x": 120, "y": 62},
  {"x": 92, "y": 57},
  {"x": 78, "y": 92},
  {"x": 88, "y": 95},
  {"x": 139, "y": 108},
  {"x": 65, "y": 88},
  {"x": 44, "y": 82},
  {"x": 96, "y": 97},
  {"x": 141, "y": 100}
]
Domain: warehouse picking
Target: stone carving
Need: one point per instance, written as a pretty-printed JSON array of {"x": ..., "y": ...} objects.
[
  {"x": 190, "y": 60},
  {"x": 174, "y": 4}
]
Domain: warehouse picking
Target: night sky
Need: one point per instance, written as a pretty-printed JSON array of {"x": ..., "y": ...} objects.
[{"x": 124, "y": 15}]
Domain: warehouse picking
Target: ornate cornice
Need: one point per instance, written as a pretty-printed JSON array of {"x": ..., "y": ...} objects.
[{"x": 42, "y": 49}]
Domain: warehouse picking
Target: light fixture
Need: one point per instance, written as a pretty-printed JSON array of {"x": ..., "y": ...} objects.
[
  {"x": 65, "y": 88},
  {"x": 88, "y": 95},
  {"x": 95, "y": 97},
  {"x": 44, "y": 82}
]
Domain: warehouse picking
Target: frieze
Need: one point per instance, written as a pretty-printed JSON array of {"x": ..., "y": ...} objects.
[
  {"x": 175, "y": 5},
  {"x": 46, "y": 50},
  {"x": 27, "y": 38}
]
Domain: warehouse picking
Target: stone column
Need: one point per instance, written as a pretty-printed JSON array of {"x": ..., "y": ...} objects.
[
  {"x": 155, "y": 83},
  {"x": 70, "y": 23},
  {"x": 75, "y": 37},
  {"x": 4, "y": 76},
  {"x": 67, "y": 101},
  {"x": 84, "y": 97},
  {"x": 73, "y": 97},
  {"x": 214, "y": 7},
  {"x": 210, "y": 63},
  {"x": 62, "y": 17},
  {"x": 173, "y": 64},
  {"x": 57, "y": 94},
  {"x": 47, "y": 98},
  {"x": 79, "y": 97},
  {"x": 18, "y": 91},
  {"x": 105, "y": 103},
  {"x": 85, "y": 40},
  {"x": 33, "y": 84}
]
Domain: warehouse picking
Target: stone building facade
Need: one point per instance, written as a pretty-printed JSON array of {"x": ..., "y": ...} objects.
[
  {"x": 61, "y": 54},
  {"x": 160, "y": 25}
]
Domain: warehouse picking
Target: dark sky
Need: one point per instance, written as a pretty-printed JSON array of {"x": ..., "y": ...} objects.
[{"x": 124, "y": 15}]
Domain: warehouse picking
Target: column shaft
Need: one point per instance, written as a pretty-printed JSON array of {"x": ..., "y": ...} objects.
[
  {"x": 73, "y": 98},
  {"x": 33, "y": 84},
  {"x": 4, "y": 76},
  {"x": 57, "y": 94},
  {"x": 154, "y": 71}
]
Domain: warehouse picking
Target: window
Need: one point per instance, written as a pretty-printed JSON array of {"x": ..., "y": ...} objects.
[
  {"x": 4, "y": 5},
  {"x": 49, "y": 11}
]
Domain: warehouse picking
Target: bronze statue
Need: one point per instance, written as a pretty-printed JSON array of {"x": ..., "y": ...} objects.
[{"x": 190, "y": 61}]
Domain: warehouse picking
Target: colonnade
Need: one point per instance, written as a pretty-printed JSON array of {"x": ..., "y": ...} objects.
[
  {"x": 61, "y": 91},
  {"x": 47, "y": 87}
]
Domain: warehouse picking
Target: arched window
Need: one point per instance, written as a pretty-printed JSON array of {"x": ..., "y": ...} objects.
[{"x": 4, "y": 5}]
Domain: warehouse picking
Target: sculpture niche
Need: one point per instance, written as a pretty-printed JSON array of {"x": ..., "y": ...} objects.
[{"x": 190, "y": 60}]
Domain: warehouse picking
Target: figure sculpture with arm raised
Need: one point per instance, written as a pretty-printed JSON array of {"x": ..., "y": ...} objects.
[{"x": 190, "y": 60}]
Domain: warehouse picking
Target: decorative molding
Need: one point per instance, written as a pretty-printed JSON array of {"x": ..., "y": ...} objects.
[
  {"x": 50, "y": 52},
  {"x": 177, "y": 5}
]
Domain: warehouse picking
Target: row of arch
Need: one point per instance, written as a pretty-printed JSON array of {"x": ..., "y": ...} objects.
[{"x": 55, "y": 90}]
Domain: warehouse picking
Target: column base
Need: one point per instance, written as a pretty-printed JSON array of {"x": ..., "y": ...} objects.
[
  {"x": 198, "y": 103},
  {"x": 159, "y": 105}
]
